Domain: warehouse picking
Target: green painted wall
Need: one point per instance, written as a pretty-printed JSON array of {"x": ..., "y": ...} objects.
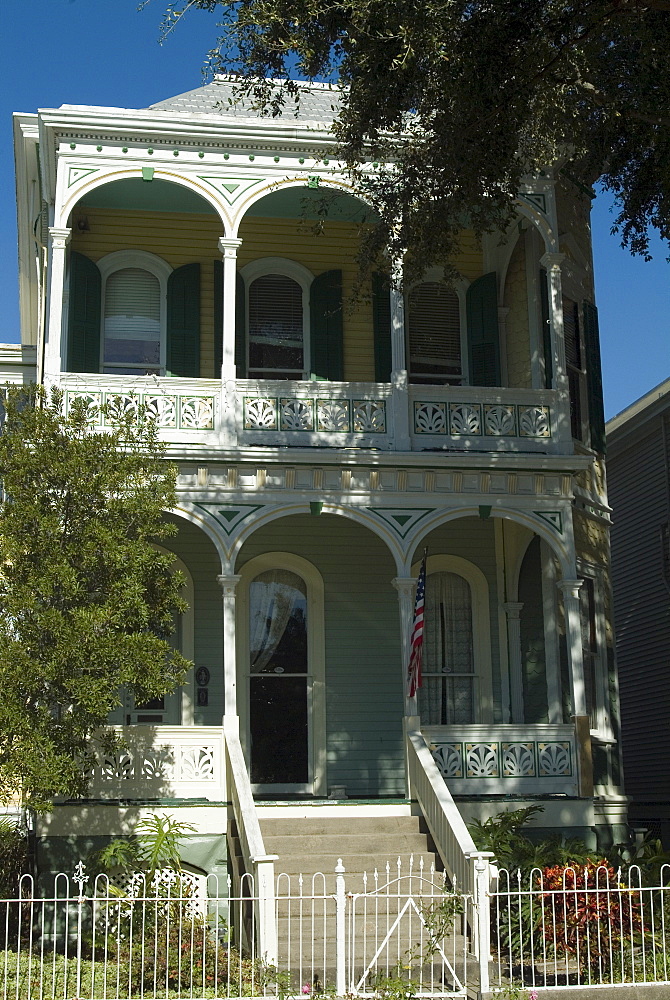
[
  {"x": 364, "y": 698},
  {"x": 202, "y": 561}
]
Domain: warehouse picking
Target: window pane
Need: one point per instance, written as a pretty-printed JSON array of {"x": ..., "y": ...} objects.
[
  {"x": 447, "y": 695},
  {"x": 278, "y": 623},
  {"x": 434, "y": 333},
  {"x": 275, "y": 325},
  {"x": 132, "y": 322}
]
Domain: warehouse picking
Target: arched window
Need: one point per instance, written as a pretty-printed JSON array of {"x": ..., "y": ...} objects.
[
  {"x": 280, "y": 652},
  {"x": 134, "y": 313},
  {"x": 288, "y": 322},
  {"x": 131, "y": 326},
  {"x": 448, "y": 693},
  {"x": 434, "y": 334},
  {"x": 457, "y": 677},
  {"x": 277, "y": 342}
]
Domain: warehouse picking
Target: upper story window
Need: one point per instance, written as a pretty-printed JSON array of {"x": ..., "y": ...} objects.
[
  {"x": 133, "y": 341},
  {"x": 288, "y": 322},
  {"x": 130, "y": 313},
  {"x": 434, "y": 334},
  {"x": 574, "y": 355},
  {"x": 277, "y": 341}
]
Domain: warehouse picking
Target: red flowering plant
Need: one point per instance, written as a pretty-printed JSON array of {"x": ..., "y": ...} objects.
[{"x": 591, "y": 915}]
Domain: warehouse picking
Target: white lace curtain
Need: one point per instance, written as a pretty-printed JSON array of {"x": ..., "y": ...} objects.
[
  {"x": 273, "y": 596},
  {"x": 447, "y": 695}
]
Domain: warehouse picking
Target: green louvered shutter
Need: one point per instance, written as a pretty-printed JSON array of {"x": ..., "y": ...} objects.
[
  {"x": 483, "y": 339},
  {"x": 381, "y": 325},
  {"x": 83, "y": 335},
  {"x": 546, "y": 330},
  {"x": 594, "y": 378},
  {"x": 218, "y": 317},
  {"x": 240, "y": 327},
  {"x": 325, "y": 305},
  {"x": 183, "y": 322}
]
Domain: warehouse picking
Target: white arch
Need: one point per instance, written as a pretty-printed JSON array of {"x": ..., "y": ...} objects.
[
  {"x": 316, "y": 651},
  {"x": 361, "y": 517},
  {"x": 539, "y": 221},
  {"x": 117, "y": 259},
  {"x": 270, "y": 187},
  {"x": 209, "y": 526},
  {"x": 526, "y": 518},
  {"x": 134, "y": 172}
]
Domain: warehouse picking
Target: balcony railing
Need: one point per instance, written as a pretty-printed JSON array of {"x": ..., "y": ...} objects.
[
  {"x": 161, "y": 762},
  {"x": 505, "y": 759},
  {"x": 251, "y": 412}
]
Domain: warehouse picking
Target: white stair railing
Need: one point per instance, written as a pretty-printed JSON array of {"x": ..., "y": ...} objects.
[
  {"x": 447, "y": 827},
  {"x": 257, "y": 862}
]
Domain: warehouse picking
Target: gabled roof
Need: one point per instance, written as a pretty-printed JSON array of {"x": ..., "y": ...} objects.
[{"x": 319, "y": 103}]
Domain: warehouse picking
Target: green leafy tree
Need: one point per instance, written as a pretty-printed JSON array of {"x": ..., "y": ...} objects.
[
  {"x": 466, "y": 97},
  {"x": 87, "y": 601}
]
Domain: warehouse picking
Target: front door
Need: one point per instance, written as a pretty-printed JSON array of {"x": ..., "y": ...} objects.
[{"x": 280, "y": 685}]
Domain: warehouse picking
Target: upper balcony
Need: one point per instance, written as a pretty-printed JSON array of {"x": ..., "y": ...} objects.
[
  {"x": 248, "y": 413},
  {"x": 269, "y": 337}
]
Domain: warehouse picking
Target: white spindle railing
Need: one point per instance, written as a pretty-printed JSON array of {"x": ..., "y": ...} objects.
[{"x": 257, "y": 862}]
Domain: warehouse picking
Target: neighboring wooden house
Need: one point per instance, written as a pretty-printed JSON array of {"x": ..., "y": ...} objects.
[
  {"x": 638, "y": 473},
  {"x": 323, "y": 440}
]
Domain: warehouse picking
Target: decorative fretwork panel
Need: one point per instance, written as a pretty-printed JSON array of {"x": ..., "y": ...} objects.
[
  {"x": 502, "y": 420},
  {"x": 161, "y": 762},
  {"x": 524, "y": 763},
  {"x": 170, "y": 410},
  {"x": 323, "y": 415}
]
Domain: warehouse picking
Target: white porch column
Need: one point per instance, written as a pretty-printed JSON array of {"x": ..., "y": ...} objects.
[
  {"x": 573, "y": 629},
  {"x": 513, "y": 612},
  {"x": 399, "y": 378},
  {"x": 229, "y": 585},
  {"x": 573, "y": 637},
  {"x": 406, "y": 587},
  {"x": 552, "y": 262},
  {"x": 58, "y": 241},
  {"x": 229, "y": 408}
]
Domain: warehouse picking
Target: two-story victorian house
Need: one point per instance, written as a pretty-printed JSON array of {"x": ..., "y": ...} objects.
[{"x": 202, "y": 259}]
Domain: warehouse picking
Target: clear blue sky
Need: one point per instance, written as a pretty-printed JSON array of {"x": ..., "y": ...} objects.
[{"x": 105, "y": 52}]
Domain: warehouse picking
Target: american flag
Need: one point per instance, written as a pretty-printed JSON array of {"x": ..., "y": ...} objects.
[{"x": 416, "y": 641}]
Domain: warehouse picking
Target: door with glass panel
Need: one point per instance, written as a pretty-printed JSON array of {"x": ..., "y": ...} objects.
[
  {"x": 448, "y": 695},
  {"x": 280, "y": 684}
]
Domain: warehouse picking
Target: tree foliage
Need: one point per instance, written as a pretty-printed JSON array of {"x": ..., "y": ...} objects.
[
  {"x": 87, "y": 601},
  {"x": 467, "y": 98}
]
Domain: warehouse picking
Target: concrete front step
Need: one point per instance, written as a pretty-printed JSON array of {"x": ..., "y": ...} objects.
[
  {"x": 374, "y": 843},
  {"x": 337, "y": 825}
]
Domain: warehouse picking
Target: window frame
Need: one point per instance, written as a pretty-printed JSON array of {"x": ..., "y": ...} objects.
[
  {"x": 481, "y": 627},
  {"x": 302, "y": 276},
  {"x": 435, "y": 275},
  {"x": 316, "y": 658},
  {"x": 118, "y": 260}
]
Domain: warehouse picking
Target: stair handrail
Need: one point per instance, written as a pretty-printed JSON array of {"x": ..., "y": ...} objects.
[
  {"x": 256, "y": 860},
  {"x": 452, "y": 838}
]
